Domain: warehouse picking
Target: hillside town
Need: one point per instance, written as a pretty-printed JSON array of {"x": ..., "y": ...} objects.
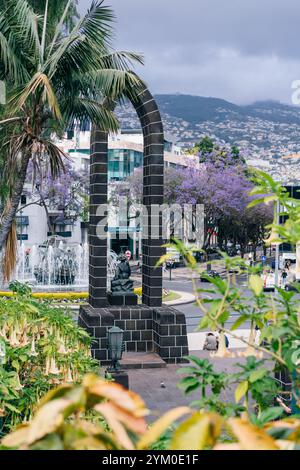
[{"x": 271, "y": 146}]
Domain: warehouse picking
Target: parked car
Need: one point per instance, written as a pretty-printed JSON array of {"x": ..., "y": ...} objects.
[
  {"x": 210, "y": 273},
  {"x": 291, "y": 287},
  {"x": 234, "y": 270},
  {"x": 232, "y": 251},
  {"x": 199, "y": 256},
  {"x": 269, "y": 281},
  {"x": 174, "y": 258}
]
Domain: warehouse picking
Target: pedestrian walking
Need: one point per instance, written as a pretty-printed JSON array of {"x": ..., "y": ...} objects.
[
  {"x": 225, "y": 337},
  {"x": 287, "y": 265},
  {"x": 211, "y": 342},
  {"x": 284, "y": 276}
]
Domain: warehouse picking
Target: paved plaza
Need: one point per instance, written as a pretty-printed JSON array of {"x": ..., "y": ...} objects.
[{"x": 148, "y": 384}]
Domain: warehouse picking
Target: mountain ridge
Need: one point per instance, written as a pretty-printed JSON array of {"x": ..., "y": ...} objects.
[{"x": 196, "y": 109}]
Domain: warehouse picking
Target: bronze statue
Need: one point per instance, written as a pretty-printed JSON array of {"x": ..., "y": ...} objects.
[{"x": 122, "y": 282}]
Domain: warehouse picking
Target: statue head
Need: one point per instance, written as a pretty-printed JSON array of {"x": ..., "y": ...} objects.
[{"x": 122, "y": 258}]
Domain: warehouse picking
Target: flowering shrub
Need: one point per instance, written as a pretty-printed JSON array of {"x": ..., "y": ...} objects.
[{"x": 40, "y": 346}]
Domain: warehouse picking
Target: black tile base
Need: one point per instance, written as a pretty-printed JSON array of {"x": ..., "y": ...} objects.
[
  {"x": 160, "y": 330},
  {"x": 120, "y": 378},
  {"x": 122, "y": 299}
]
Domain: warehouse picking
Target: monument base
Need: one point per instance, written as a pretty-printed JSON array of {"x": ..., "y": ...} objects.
[
  {"x": 120, "y": 377},
  {"x": 161, "y": 330},
  {"x": 122, "y": 299}
]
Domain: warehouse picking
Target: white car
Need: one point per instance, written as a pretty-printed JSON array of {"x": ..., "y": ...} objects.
[{"x": 269, "y": 281}]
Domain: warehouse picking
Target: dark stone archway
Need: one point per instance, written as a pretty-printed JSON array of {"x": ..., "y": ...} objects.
[
  {"x": 152, "y": 128},
  {"x": 148, "y": 327}
]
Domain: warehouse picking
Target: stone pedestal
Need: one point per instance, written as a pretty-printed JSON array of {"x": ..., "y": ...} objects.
[
  {"x": 120, "y": 299},
  {"x": 120, "y": 377},
  {"x": 161, "y": 330}
]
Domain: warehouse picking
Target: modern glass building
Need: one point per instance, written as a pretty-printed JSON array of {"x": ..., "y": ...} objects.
[{"x": 122, "y": 163}]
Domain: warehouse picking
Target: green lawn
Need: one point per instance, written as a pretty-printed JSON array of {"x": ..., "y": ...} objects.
[{"x": 171, "y": 296}]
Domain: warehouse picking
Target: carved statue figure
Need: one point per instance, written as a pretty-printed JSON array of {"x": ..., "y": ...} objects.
[{"x": 122, "y": 283}]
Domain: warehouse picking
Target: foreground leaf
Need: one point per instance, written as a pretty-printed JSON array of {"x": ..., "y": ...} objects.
[
  {"x": 241, "y": 390},
  {"x": 200, "y": 431},
  {"x": 161, "y": 425},
  {"x": 251, "y": 437}
]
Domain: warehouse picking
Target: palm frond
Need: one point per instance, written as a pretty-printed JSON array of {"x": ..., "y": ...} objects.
[
  {"x": 90, "y": 38},
  {"x": 19, "y": 25},
  {"x": 59, "y": 26},
  {"x": 26, "y": 24},
  {"x": 116, "y": 84},
  {"x": 11, "y": 66},
  {"x": 84, "y": 109},
  {"x": 43, "y": 42},
  {"x": 39, "y": 82},
  {"x": 55, "y": 156},
  {"x": 121, "y": 60},
  {"x": 10, "y": 120}
]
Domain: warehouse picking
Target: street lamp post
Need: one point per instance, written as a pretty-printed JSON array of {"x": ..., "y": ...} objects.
[
  {"x": 115, "y": 348},
  {"x": 170, "y": 265},
  {"x": 277, "y": 211}
]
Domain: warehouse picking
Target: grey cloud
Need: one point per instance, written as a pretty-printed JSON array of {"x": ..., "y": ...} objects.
[{"x": 240, "y": 50}]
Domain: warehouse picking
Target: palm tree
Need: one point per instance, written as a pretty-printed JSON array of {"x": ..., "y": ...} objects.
[{"x": 53, "y": 81}]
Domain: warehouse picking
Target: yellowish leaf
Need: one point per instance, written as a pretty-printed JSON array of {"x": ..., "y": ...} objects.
[
  {"x": 256, "y": 284},
  {"x": 123, "y": 398},
  {"x": 109, "y": 413},
  {"x": 16, "y": 439},
  {"x": 47, "y": 419},
  {"x": 241, "y": 390},
  {"x": 164, "y": 258},
  {"x": 198, "y": 432},
  {"x": 135, "y": 424},
  {"x": 161, "y": 425},
  {"x": 251, "y": 437}
]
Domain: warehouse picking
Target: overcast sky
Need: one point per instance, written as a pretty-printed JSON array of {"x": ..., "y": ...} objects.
[{"x": 239, "y": 50}]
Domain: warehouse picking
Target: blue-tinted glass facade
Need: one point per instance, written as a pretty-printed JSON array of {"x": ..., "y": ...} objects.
[{"x": 122, "y": 163}]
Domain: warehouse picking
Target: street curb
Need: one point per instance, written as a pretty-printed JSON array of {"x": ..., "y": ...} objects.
[{"x": 187, "y": 299}]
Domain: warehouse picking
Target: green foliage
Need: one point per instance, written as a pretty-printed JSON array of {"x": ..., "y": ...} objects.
[
  {"x": 277, "y": 317},
  {"x": 257, "y": 382},
  {"x": 41, "y": 346},
  {"x": 206, "y": 145},
  {"x": 203, "y": 377},
  {"x": 20, "y": 288}
]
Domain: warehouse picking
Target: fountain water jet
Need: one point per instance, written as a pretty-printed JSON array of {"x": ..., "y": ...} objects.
[{"x": 58, "y": 265}]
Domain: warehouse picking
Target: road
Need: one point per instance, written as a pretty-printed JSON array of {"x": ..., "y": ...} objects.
[{"x": 192, "y": 312}]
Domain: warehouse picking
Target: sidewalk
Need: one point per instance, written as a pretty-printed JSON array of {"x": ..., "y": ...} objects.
[
  {"x": 147, "y": 383},
  {"x": 196, "y": 340}
]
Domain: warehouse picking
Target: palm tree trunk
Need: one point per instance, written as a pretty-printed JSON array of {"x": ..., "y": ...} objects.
[{"x": 9, "y": 217}]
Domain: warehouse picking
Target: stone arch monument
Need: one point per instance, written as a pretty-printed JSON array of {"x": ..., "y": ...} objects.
[{"x": 149, "y": 327}]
